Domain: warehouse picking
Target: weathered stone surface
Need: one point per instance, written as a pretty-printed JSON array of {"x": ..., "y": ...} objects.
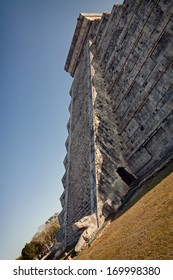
[
  {"x": 57, "y": 249},
  {"x": 86, "y": 222},
  {"x": 121, "y": 110},
  {"x": 112, "y": 206},
  {"x": 90, "y": 225}
]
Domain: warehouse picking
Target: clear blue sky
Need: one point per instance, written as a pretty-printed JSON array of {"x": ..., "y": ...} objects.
[{"x": 35, "y": 37}]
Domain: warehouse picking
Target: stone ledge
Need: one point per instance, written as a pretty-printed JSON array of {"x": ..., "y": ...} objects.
[{"x": 83, "y": 25}]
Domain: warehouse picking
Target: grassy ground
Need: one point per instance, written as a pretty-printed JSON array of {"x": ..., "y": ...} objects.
[{"x": 144, "y": 231}]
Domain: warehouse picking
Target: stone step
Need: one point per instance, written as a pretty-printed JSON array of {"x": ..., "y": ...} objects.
[{"x": 102, "y": 25}]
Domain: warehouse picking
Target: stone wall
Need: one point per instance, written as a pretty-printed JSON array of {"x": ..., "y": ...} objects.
[
  {"x": 78, "y": 150},
  {"x": 121, "y": 124},
  {"x": 108, "y": 154},
  {"x": 136, "y": 55}
]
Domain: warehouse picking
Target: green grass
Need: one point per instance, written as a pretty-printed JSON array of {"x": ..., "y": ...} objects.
[{"x": 144, "y": 230}]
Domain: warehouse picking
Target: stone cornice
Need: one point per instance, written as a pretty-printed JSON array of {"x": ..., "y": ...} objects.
[{"x": 83, "y": 25}]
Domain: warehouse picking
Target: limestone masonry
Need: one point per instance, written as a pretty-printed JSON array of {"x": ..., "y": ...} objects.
[{"x": 121, "y": 111}]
